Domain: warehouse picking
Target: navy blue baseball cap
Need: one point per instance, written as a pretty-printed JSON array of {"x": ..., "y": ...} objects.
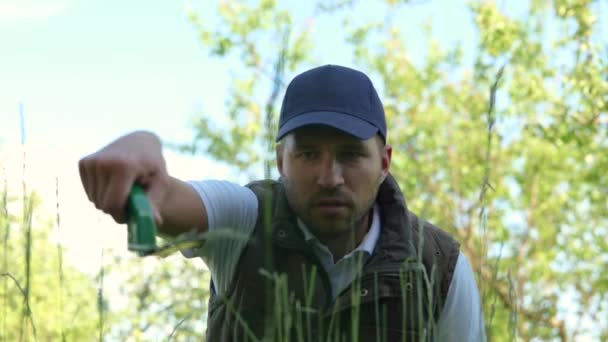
[{"x": 334, "y": 96}]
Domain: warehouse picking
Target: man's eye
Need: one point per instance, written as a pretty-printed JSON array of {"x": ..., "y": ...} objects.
[
  {"x": 308, "y": 154},
  {"x": 350, "y": 155}
]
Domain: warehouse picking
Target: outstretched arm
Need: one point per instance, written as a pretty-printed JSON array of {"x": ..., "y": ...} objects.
[{"x": 108, "y": 175}]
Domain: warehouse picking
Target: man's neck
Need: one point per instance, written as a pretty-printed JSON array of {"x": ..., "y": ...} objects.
[{"x": 344, "y": 244}]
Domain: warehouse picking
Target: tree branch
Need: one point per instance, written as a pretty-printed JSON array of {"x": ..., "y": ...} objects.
[{"x": 503, "y": 294}]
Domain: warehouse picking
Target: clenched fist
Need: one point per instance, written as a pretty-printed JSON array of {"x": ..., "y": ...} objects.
[{"x": 108, "y": 174}]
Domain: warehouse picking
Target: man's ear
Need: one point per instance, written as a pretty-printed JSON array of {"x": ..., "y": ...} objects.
[
  {"x": 387, "y": 154},
  {"x": 279, "y": 157}
]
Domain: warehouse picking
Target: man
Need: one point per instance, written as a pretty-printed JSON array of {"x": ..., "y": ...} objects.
[{"x": 328, "y": 252}]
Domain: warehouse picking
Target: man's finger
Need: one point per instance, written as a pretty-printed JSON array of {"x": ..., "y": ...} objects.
[
  {"x": 99, "y": 185},
  {"x": 84, "y": 178},
  {"x": 117, "y": 194}
]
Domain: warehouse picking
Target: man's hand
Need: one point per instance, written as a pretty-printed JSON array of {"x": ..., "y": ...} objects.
[{"x": 108, "y": 174}]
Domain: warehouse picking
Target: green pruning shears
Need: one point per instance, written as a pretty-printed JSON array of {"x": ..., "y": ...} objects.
[{"x": 141, "y": 233}]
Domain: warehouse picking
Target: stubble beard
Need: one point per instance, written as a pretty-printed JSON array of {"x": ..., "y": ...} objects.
[{"x": 329, "y": 230}]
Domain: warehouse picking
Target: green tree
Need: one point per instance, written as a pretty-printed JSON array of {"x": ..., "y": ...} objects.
[
  {"x": 150, "y": 298},
  {"x": 131, "y": 298},
  {"x": 263, "y": 39},
  {"x": 505, "y": 148},
  {"x": 42, "y": 298}
]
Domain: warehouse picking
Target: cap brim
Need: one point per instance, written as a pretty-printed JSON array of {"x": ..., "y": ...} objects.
[{"x": 349, "y": 124}]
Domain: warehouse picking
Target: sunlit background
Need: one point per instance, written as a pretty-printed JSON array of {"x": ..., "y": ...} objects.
[
  {"x": 84, "y": 73},
  {"x": 75, "y": 75}
]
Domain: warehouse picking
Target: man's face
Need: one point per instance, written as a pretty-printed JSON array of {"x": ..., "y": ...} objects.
[{"x": 332, "y": 178}]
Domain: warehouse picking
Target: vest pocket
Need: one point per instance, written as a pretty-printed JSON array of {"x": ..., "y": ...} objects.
[{"x": 392, "y": 304}]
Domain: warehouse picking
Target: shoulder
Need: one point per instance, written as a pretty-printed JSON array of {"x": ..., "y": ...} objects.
[
  {"x": 434, "y": 239},
  {"x": 436, "y": 236},
  {"x": 440, "y": 251},
  {"x": 264, "y": 185},
  {"x": 267, "y": 191}
]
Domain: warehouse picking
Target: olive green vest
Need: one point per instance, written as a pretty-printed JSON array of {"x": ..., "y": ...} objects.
[{"x": 280, "y": 291}]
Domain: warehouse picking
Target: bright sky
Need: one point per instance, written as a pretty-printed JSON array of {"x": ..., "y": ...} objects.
[{"x": 87, "y": 72}]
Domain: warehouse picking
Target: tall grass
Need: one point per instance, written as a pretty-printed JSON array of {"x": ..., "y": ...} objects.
[
  {"x": 6, "y": 225},
  {"x": 289, "y": 316},
  {"x": 288, "y": 313},
  {"x": 100, "y": 298},
  {"x": 485, "y": 186},
  {"x": 60, "y": 264},
  {"x": 26, "y": 226},
  {"x": 27, "y": 316}
]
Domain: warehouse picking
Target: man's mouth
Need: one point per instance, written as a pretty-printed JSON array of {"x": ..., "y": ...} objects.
[
  {"x": 332, "y": 203},
  {"x": 332, "y": 206}
]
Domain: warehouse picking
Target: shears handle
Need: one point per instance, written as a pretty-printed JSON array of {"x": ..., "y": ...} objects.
[
  {"x": 142, "y": 228},
  {"x": 141, "y": 224}
]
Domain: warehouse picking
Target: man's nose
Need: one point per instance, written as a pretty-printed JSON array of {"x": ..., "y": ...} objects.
[{"x": 330, "y": 173}]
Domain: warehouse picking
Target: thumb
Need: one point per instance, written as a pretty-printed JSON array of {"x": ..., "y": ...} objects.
[{"x": 156, "y": 190}]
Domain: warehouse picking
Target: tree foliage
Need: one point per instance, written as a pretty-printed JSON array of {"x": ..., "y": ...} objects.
[
  {"x": 131, "y": 298},
  {"x": 152, "y": 299},
  {"x": 504, "y": 146},
  {"x": 42, "y": 299}
]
